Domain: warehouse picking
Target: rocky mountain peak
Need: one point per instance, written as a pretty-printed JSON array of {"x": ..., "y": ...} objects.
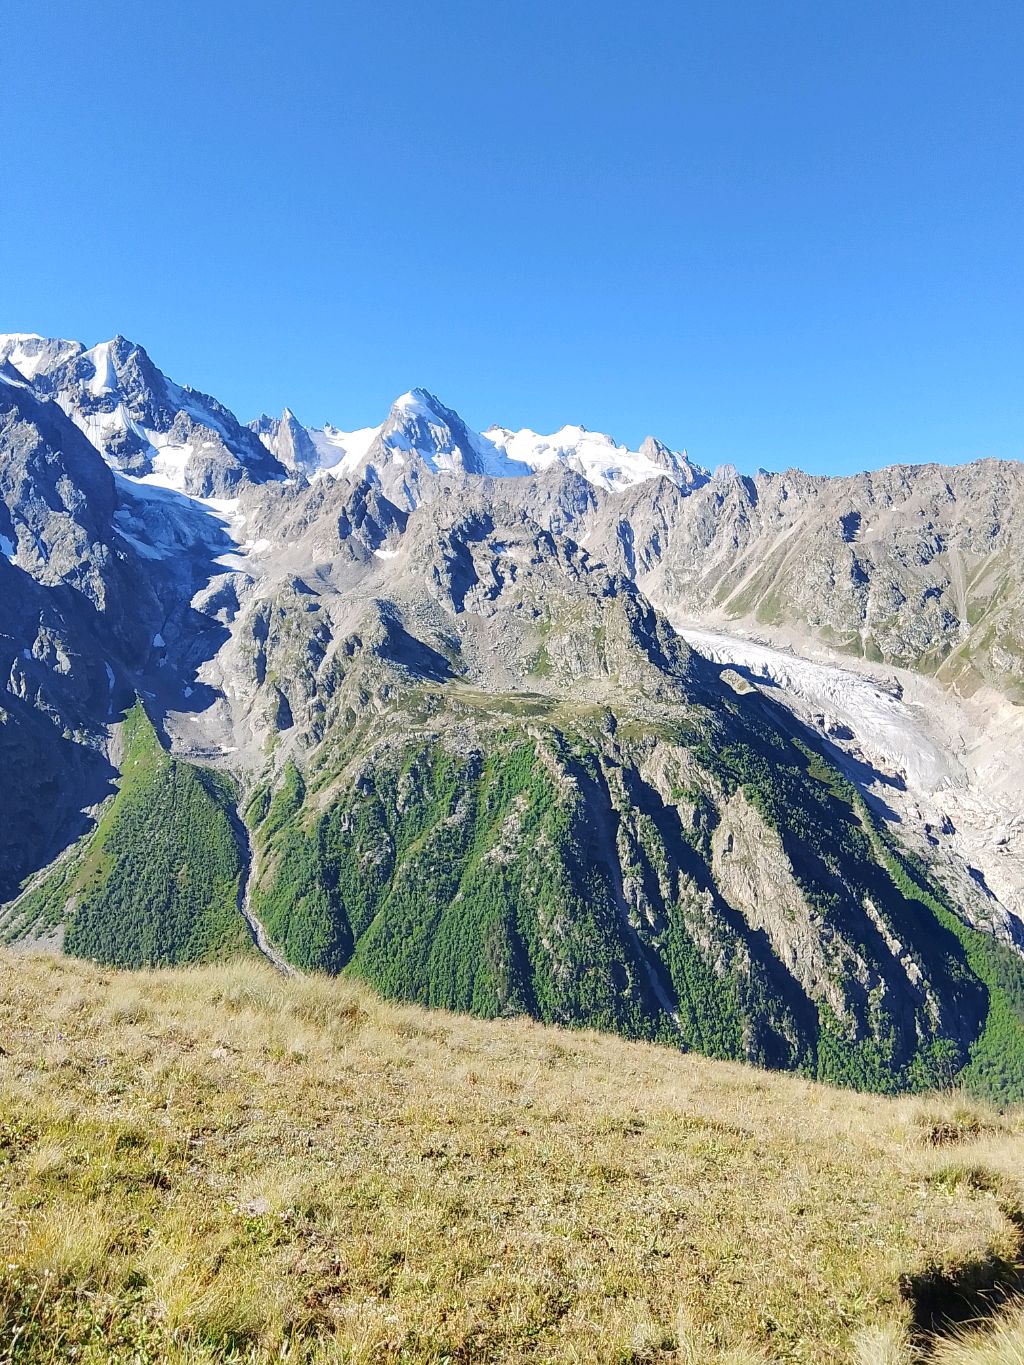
[
  {"x": 287, "y": 439},
  {"x": 417, "y": 411},
  {"x": 677, "y": 464},
  {"x": 143, "y": 424},
  {"x": 422, "y": 434},
  {"x": 658, "y": 452}
]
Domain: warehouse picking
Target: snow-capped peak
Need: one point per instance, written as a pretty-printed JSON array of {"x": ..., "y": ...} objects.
[
  {"x": 419, "y": 428},
  {"x": 418, "y": 403},
  {"x": 148, "y": 426},
  {"x": 32, "y": 354},
  {"x": 143, "y": 424},
  {"x": 596, "y": 456}
]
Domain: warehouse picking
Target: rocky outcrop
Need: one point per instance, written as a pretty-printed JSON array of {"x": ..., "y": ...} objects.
[{"x": 288, "y": 441}]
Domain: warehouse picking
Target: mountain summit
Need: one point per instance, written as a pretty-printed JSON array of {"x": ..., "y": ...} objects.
[{"x": 143, "y": 423}]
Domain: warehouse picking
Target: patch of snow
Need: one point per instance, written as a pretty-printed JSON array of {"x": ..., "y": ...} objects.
[
  {"x": 235, "y": 563},
  {"x": 169, "y": 466},
  {"x": 103, "y": 379},
  {"x": 386, "y": 554},
  {"x": 412, "y": 403},
  {"x": 159, "y": 642},
  {"x": 495, "y": 462},
  {"x": 340, "y": 452},
  {"x": 593, "y": 454},
  {"x": 101, "y": 427},
  {"x": 27, "y": 351}
]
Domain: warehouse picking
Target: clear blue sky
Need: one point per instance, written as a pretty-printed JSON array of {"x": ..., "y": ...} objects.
[{"x": 773, "y": 232}]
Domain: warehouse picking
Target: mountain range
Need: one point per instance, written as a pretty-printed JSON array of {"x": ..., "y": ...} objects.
[{"x": 416, "y": 703}]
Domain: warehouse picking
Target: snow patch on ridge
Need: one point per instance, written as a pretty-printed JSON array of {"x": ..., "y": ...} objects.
[
  {"x": 593, "y": 454},
  {"x": 103, "y": 379},
  {"x": 29, "y": 352},
  {"x": 340, "y": 452},
  {"x": 168, "y": 457}
]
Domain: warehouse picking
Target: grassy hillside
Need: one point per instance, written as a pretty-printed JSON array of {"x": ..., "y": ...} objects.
[
  {"x": 222, "y": 1164},
  {"x": 157, "y": 881},
  {"x": 708, "y": 881},
  {"x": 694, "y": 876}
]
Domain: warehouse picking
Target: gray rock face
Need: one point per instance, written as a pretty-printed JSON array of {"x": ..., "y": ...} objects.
[
  {"x": 57, "y": 499},
  {"x": 71, "y": 609},
  {"x": 914, "y": 566},
  {"x": 288, "y": 441}
]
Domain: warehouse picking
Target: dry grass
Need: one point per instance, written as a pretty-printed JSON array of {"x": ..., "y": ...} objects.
[
  {"x": 225, "y": 1165},
  {"x": 1002, "y": 1344}
]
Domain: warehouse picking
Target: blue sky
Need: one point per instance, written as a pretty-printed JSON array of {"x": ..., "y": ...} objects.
[{"x": 772, "y": 233}]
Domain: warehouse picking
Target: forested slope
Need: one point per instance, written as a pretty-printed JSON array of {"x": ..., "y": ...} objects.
[{"x": 158, "y": 880}]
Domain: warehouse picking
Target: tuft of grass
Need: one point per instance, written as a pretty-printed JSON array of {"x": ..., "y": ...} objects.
[
  {"x": 952, "y": 1118},
  {"x": 999, "y": 1344},
  {"x": 882, "y": 1344},
  {"x": 221, "y": 1164}
]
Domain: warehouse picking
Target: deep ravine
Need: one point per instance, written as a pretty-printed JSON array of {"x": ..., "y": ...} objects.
[{"x": 250, "y": 877}]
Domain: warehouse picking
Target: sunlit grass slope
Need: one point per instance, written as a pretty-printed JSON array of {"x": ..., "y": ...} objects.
[{"x": 221, "y": 1164}]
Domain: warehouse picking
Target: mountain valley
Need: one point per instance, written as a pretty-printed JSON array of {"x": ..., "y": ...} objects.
[{"x": 411, "y": 697}]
